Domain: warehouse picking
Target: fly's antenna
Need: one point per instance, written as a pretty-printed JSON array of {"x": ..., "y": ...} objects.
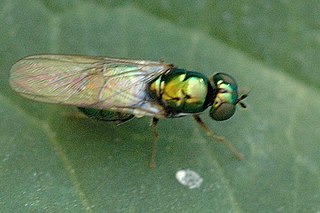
[{"x": 240, "y": 99}]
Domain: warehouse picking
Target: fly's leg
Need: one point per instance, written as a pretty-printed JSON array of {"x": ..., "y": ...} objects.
[
  {"x": 220, "y": 139},
  {"x": 152, "y": 162}
]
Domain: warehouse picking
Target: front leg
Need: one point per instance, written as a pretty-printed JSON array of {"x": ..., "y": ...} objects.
[{"x": 220, "y": 139}]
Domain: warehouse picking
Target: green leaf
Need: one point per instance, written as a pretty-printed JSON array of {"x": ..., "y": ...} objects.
[{"x": 51, "y": 161}]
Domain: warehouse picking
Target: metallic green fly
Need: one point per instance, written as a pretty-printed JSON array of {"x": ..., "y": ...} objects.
[{"x": 111, "y": 89}]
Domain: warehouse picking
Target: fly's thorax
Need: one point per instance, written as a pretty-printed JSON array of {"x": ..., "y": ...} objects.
[
  {"x": 226, "y": 99},
  {"x": 181, "y": 91}
]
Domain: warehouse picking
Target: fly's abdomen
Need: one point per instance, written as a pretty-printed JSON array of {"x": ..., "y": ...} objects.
[{"x": 105, "y": 115}]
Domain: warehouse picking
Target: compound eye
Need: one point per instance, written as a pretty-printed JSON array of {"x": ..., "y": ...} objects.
[
  {"x": 225, "y": 78},
  {"x": 222, "y": 112}
]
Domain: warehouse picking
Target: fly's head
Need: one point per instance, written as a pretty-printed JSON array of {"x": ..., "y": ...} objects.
[{"x": 226, "y": 99}]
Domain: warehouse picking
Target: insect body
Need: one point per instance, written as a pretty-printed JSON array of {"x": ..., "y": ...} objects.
[{"x": 113, "y": 89}]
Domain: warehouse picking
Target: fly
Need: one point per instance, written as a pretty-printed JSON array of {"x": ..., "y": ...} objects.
[{"x": 112, "y": 89}]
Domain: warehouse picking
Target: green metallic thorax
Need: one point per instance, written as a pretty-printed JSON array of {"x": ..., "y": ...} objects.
[{"x": 182, "y": 92}]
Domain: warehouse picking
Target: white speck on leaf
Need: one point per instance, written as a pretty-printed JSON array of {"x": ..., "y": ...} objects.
[{"x": 189, "y": 178}]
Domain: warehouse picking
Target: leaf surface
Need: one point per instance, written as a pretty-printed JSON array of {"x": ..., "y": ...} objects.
[{"x": 52, "y": 161}]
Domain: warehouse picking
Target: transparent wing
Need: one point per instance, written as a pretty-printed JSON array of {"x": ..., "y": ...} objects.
[{"x": 97, "y": 82}]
